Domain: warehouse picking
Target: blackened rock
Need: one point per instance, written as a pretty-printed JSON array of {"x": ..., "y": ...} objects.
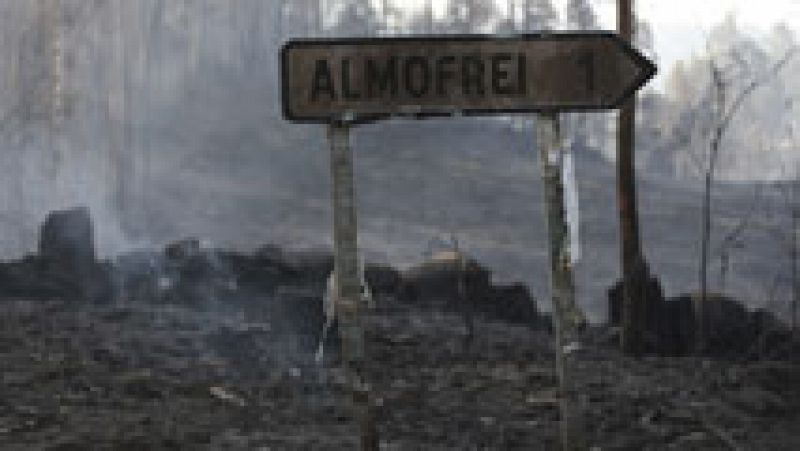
[
  {"x": 136, "y": 276},
  {"x": 32, "y": 278},
  {"x": 436, "y": 281},
  {"x": 763, "y": 322},
  {"x": 67, "y": 259},
  {"x": 653, "y": 299},
  {"x": 194, "y": 273},
  {"x": 295, "y": 268},
  {"x": 67, "y": 236},
  {"x": 308, "y": 268},
  {"x": 615, "y": 303},
  {"x": 447, "y": 282},
  {"x": 729, "y": 332},
  {"x": 676, "y": 327},
  {"x": 652, "y": 311},
  {"x": 255, "y": 273},
  {"x": 775, "y": 340},
  {"x": 513, "y": 304},
  {"x": 183, "y": 250},
  {"x": 727, "y": 322},
  {"x": 732, "y": 330},
  {"x": 382, "y": 279}
]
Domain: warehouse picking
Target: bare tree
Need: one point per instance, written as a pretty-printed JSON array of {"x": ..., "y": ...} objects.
[
  {"x": 423, "y": 21},
  {"x": 539, "y": 15},
  {"x": 508, "y": 24},
  {"x": 428, "y": 15},
  {"x": 789, "y": 204},
  {"x": 795, "y": 214},
  {"x": 357, "y": 18},
  {"x": 733, "y": 238},
  {"x": 722, "y": 111},
  {"x": 470, "y": 15},
  {"x": 580, "y": 15},
  {"x": 791, "y": 197}
]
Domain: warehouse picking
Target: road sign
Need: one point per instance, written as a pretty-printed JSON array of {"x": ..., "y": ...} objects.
[{"x": 364, "y": 79}]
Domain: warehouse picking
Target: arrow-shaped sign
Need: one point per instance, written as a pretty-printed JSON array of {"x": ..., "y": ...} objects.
[{"x": 366, "y": 79}]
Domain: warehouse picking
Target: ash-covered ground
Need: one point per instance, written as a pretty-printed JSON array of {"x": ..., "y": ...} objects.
[{"x": 235, "y": 370}]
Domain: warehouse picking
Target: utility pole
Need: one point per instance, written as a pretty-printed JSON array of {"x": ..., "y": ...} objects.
[{"x": 633, "y": 265}]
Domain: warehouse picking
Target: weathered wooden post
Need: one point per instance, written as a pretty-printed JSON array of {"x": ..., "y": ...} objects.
[
  {"x": 345, "y": 242},
  {"x": 633, "y": 265},
  {"x": 345, "y": 257},
  {"x": 567, "y": 317}
]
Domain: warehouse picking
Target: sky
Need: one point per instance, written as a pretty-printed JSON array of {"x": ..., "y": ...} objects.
[{"x": 680, "y": 26}]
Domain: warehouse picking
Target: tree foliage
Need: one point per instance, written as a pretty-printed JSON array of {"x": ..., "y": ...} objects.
[
  {"x": 468, "y": 16},
  {"x": 581, "y": 15},
  {"x": 539, "y": 15},
  {"x": 357, "y": 18}
]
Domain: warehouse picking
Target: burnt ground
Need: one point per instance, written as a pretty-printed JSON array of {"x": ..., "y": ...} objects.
[{"x": 146, "y": 376}]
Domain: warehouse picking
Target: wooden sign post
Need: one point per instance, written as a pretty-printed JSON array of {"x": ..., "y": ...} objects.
[
  {"x": 362, "y": 80},
  {"x": 567, "y": 316},
  {"x": 345, "y": 262},
  {"x": 345, "y": 243}
]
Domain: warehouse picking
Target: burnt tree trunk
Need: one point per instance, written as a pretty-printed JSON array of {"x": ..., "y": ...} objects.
[
  {"x": 794, "y": 255},
  {"x": 633, "y": 265},
  {"x": 705, "y": 238}
]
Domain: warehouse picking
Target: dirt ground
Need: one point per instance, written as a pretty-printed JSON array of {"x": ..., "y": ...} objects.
[{"x": 143, "y": 376}]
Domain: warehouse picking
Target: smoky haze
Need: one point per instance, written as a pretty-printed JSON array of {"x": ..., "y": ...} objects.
[{"x": 163, "y": 117}]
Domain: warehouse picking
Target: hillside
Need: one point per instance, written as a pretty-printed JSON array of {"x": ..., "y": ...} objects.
[{"x": 478, "y": 179}]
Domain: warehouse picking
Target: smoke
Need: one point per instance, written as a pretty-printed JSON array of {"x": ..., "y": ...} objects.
[{"x": 121, "y": 97}]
